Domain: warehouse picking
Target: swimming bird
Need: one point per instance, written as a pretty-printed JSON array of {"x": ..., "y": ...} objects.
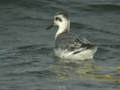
[{"x": 67, "y": 45}]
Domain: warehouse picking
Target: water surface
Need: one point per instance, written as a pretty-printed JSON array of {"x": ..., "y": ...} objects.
[{"x": 27, "y": 61}]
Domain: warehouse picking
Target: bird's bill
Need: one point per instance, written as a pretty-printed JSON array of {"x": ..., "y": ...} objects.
[{"x": 52, "y": 25}]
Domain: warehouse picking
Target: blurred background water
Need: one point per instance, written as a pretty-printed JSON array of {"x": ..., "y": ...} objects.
[{"x": 27, "y": 61}]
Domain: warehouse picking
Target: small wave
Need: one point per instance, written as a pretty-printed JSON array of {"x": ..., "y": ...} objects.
[
  {"x": 78, "y": 25},
  {"x": 103, "y": 31},
  {"x": 41, "y": 48},
  {"x": 23, "y": 51},
  {"x": 105, "y": 7}
]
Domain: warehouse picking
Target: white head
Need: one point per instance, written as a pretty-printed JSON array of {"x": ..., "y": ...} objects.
[{"x": 63, "y": 22}]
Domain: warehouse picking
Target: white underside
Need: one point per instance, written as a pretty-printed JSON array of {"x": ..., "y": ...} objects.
[{"x": 83, "y": 55}]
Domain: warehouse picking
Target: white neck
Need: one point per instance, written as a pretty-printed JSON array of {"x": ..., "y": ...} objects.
[{"x": 62, "y": 28}]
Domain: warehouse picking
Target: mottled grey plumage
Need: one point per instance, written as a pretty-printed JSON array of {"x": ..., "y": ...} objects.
[{"x": 71, "y": 42}]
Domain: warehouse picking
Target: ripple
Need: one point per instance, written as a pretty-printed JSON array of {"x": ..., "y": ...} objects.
[
  {"x": 34, "y": 49},
  {"x": 105, "y": 7}
]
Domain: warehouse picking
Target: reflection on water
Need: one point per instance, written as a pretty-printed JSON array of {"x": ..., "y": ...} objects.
[{"x": 85, "y": 70}]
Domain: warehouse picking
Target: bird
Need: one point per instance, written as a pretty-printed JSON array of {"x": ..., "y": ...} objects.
[{"x": 67, "y": 45}]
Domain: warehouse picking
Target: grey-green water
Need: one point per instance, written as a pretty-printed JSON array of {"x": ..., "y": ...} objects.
[{"x": 27, "y": 61}]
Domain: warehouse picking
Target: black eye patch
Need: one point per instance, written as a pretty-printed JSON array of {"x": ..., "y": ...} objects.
[{"x": 58, "y": 19}]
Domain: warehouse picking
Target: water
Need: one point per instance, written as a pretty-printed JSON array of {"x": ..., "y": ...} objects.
[{"x": 27, "y": 61}]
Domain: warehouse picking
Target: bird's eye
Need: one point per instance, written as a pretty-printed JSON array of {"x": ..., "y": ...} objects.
[{"x": 58, "y": 19}]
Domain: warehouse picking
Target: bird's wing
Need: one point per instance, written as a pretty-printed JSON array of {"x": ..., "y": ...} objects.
[{"x": 72, "y": 43}]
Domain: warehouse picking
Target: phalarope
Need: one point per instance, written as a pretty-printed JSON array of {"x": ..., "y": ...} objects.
[{"x": 68, "y": 46}]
